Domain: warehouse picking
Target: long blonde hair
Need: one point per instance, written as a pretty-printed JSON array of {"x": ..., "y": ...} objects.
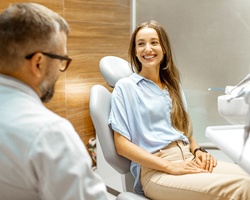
[{"x": 169, "y": 75}]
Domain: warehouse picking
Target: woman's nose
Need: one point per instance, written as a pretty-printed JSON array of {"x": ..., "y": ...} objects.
[{"x": 148, "y": 47}]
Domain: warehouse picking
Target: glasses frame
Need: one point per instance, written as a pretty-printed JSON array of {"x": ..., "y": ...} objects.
[{"x": 54, "y": 56}]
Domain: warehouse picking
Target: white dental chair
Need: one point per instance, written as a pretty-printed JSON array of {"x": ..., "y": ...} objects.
[{"x": 112, "y": 69}]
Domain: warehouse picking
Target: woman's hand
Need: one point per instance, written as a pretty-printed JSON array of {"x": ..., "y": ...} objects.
[
  {"x": 205, "y": 160},
  {"x": 184, "y": 167}
]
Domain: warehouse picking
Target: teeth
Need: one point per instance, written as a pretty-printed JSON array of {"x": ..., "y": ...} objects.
[{"x": 148, "y": 57}]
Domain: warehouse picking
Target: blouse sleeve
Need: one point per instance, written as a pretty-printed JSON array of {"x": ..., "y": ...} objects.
[{"x": 118, "y": 118}]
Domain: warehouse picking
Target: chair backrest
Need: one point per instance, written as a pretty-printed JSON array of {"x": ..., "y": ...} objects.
[
  {"x": 114, "y": 68},
  {"x": 99, "y": 106}
]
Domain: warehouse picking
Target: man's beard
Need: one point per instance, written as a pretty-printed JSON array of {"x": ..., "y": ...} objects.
[
  {"x": 47, "y": 91},
  {"x": 47, "y": 87}
]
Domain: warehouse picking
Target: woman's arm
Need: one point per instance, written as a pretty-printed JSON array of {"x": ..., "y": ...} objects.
[
  {"x": 193, "y": 144},
  {"x": 126, "y": 148}
]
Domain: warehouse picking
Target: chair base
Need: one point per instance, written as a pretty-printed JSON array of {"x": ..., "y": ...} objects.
[{"x": 130, "y": 196}]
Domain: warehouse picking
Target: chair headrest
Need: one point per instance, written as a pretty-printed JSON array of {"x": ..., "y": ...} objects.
[{"x": 114, "y": 68}]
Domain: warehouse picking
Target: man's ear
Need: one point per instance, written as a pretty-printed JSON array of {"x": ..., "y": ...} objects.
[{"x": 37, "y": 64}]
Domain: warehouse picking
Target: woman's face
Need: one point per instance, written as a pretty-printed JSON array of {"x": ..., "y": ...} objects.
[{"x": 148, "y": 48}]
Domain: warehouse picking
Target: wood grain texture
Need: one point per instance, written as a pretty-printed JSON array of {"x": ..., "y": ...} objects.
[{"x": 98, "y": 28}]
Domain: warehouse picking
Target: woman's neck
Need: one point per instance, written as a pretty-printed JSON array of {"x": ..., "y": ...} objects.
[{"x": 152, "y": 75}]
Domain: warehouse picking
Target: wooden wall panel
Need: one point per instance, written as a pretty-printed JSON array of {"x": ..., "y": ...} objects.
[
  {"x": 55, "y": 5},
  {"x": 98, "y": 28}
]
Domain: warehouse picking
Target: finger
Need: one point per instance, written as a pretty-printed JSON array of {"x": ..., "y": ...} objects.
[
  {"x": 209, "y": 163},
  {"x": 215, "y": 162},
  {"x": 198, "y": 162},
  {"x": 205, "y": 156},
  {"x": 191, "y": 169},
  {"x": 205, "y": 160},
  {"x": 211, "y": 166},
  {"x": 198, "y": 168},
  {"x": 208, "y": 157}
]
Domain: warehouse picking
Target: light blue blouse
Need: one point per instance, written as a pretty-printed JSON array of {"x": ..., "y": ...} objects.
[{"x": 140, "y": 111}]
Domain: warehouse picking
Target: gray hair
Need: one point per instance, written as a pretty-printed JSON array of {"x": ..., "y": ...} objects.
[{"x": 26, "y": 28}]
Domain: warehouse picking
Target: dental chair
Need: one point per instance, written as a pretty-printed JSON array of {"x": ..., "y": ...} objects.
[{"x": 112, "y": 69}]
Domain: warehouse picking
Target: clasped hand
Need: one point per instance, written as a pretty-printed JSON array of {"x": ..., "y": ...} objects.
[
  {"x": 205, "y": 161},
  {"x": 202, "y": 163}
]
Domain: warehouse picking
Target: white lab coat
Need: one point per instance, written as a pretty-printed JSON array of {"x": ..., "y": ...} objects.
[{"x": 41, "y": 155}]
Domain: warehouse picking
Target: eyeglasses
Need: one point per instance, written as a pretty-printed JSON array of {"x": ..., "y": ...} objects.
[{"x": 65, "y": 59}]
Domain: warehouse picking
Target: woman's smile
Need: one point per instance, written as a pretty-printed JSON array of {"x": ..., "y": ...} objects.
[{"x": 149, "y": 57}]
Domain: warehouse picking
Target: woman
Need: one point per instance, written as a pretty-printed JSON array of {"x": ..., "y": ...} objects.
[{"x": 153, "y": 130}]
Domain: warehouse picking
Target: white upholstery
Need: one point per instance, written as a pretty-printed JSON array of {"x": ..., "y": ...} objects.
[
  {"x": 99, "y": 110},
  {"x": 114, "y": 68}
]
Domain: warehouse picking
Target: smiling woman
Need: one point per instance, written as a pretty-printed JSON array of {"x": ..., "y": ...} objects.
[{"x": 149, "y": 118}]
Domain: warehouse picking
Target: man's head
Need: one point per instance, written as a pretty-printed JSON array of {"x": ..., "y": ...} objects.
[{"x": 33, "y": 46}]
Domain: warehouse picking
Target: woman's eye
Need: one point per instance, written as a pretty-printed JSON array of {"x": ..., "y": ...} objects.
[
  {"x": 154, "y": 42},
  {"x": 140, "y": 44}
]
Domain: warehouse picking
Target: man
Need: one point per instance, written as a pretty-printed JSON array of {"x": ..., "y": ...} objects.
[{"x": 42, "y": 157}]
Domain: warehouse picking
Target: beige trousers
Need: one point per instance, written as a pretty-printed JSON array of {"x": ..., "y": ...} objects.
[{"x": 227, "y": 181}]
